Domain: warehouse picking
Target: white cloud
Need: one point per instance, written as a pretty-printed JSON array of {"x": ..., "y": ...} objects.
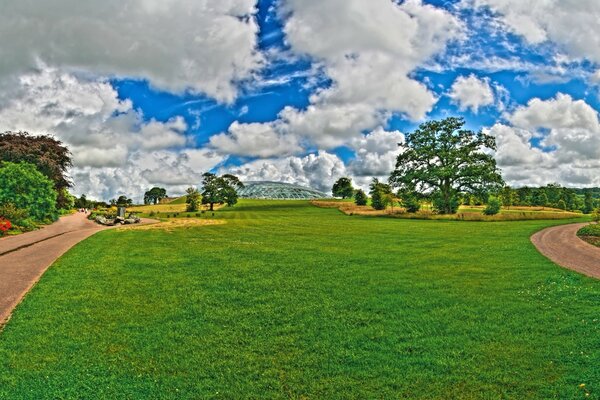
[
  {"x": 201, "y": 45},
  {"x": 255, "y": 140},
  {"x": 568, "y": 132},
  {"x": 566, "y": 22},
  {"x": 376, "y": 154},
  {"x": 471, "y": 93}
]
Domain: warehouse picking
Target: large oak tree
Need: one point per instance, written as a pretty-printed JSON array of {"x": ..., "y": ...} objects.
[{"x": 442, "y": 159}]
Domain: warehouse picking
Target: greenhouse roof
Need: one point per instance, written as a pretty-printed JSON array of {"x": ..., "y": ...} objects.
[{"x": 279, "y": 190}]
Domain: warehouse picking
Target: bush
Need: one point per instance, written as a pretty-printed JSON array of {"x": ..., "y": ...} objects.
[
  {"x": 5, "y": 225},
  {"x": 360, "y": 198},
  {"x": 441, "y": 206},
  {"x": 493, "y": 207},
  {"x": 590, "y": 230},
  {"x": 410, "y": 202},
  {"x": 26, "y": 188},
  {"x": 10, "y": 212}
]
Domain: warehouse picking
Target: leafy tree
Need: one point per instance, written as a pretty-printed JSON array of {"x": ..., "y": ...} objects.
[
  {"x": 509, "y": 197},
  {"x": 49, "y": 155},
  {"x": 220, "y": 189},
  {"x": 154, "y": 195},
  {"x": 524, "y": 194},
  {"x": 124, "y": 201},
  {"x": 360, "y": 198},
  {"x": 588, "y": 202},
  {"x": 493, "y": 207},
  {"x": 379, "y": 192},
  {"x": 82, "y": 202},
  {"x": 192, "y": 199},
  {"x": 410, "y": 201},
  {"x": 23, "y": 186},
  {"x": 343, "y": 188},
  {"x": 561, "y": 204},
  {"x": 539, "y": 198},
  {"x": 444, "y": 159}
]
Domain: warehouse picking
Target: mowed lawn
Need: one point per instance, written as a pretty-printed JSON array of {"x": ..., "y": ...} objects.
[{"x": 287, "y": 300}]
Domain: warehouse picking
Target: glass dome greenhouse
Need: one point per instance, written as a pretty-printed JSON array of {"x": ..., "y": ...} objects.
[{"x": 278, "y": 190}]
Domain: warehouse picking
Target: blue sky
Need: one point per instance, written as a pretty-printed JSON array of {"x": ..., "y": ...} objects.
[{"x": 304, "y": 91}]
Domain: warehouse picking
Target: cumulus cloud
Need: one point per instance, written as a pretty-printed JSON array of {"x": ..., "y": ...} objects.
[
  {"x": 566, "y": 133},
  {"x": 471, "y": 93},
  {"x": 566, "y": 22},
  {"x": 115, "y": 150},
  {"x": 376, "y": 154},
  {"x": 204, "y": 46}
]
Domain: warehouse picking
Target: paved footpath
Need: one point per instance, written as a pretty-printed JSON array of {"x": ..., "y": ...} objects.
[
  {"x": 25, "y": 258},
  {"x": 561, "y": 245}
]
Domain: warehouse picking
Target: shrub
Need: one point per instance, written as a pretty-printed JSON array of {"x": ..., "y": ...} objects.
[
  {"x": 442, "y": 205},
  {"x": 410, "y": 202},
  {"x": 10, "y": 212},
  {"x": 26, "y": 188},
  {"x": 493, "y": 207},
  {"x": 360, "y": 198},
  {"x": 590, "y": 230},
  {"x": 5, "y": 225}
]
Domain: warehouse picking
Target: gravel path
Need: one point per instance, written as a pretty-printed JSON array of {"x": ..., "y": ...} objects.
[
  {"x": 25, "y": 258},
  {"x": 561, "y": 245}
]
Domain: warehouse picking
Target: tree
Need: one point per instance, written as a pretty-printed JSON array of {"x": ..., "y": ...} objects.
[
  {"x": 493, "y": 207},
  {"x": 192, "y": 199},
  {"x": 539, "y": 198},
  {"x": 23, "y": 186},
  {"x": 588, "y": 202},
  {"x": 561, "y": 205},
  {"x": 154, "y": 195},
  {"x": 379, "y": 192},
  {"x": 343, "y": 188},
  {"x": 220, "y": 189},
  {"x": 49, "y": 155},
  {"x": 360, "y": 198},
  {"x": 82, "y": 202},
  {"x": 509, "y": 197},
  {"x": 410, "y": 201},
  {"x": 443, "y": 159},
  {"x": 123, "y": 201}
]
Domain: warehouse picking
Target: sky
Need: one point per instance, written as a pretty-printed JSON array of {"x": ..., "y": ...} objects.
[{"x": 156, "y": 92}]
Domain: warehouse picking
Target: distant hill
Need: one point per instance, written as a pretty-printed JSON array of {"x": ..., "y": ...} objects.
[{"x": 179, "y": 200}]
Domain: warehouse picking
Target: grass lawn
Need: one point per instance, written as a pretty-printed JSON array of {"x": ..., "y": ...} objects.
[{"x": 287, "y": 300}]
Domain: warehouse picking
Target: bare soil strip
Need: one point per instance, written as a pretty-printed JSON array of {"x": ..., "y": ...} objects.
[{"x": 561, "y": 245}]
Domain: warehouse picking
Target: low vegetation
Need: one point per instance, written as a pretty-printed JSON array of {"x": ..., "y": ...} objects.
[
  {"x": 287, "y": 300},
  {"x": 591, "y": 234}
]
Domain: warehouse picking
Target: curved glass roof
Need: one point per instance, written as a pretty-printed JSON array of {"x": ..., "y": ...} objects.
[{"x": 279, "y": 190}]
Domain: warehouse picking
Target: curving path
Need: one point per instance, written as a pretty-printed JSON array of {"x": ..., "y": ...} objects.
[
  {"x": 561, "y": 245},
  {"x": 25, "y": 258}
]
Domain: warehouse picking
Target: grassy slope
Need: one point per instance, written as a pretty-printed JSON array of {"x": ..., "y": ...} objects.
[{"x": 288, "y": 300}]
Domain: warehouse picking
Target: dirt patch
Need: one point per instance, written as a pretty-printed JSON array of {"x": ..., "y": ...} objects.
[{"x": 172, "y": 224}]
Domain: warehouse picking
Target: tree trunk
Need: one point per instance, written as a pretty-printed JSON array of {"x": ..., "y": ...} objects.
[{"x": 212, "y": 206}]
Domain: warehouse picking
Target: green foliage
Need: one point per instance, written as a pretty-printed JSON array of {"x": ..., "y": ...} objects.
[
  {"x": 68, "y": 202},
  {"x": 154, "y": 195},
  {"x": 360, "y": 198},
  {"x": 539, "y": 198},
  {"x": 124, "y": 201},
  {"x": 286, "y": 300},
  {"x": 220, "y": 189},
  {"x": 17, "y": 216},
  {"x": 588, "y": 202},
  {"x": 26, "y": 188},
  {"x": 443, "y": 158},
  {"x": 493, "y": 206},
  {"x": 49, "y": 156},
  {"x": 192, "y": 199},
  {"x": 380, "y": 194},
  {"x": 596, "y": 216},
  {"x": 410, "y": 201},
  {"x": 561, "y": 205},
  {"x": 444, "y": 205},
  {"x": 590, "y": 230},
  {"x": 343, "y": 188}
]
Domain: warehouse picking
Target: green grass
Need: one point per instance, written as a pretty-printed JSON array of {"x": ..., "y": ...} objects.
[
  {"x": 286, "y": 300},
  {"x": 179, "y": 200}
]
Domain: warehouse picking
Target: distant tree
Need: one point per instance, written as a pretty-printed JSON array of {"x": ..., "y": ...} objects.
[
  {"x": 82, "y": 202},
  {"x": 508, "y": 197},
  {"x": 49, "y": 155},
  {"x": 360, "y": 198},
  {"x": 154, "y": 195},
  {"x": 493, "y": 206},
  {"x": 124, "y": 201},
  {"x": 192, "y": 199},
  {"x": 220, "y": 189},
  {"x": 588, "y": 202},
  {"x": 410, "y": 201},
  {"x": 539, "y": 198},
  {"x": 524, "y": 194},
  {"x": 379, "y": 192},
  {"x": 26, "y": 188},
  {"x": 443, "y": 159},
  {"x": 561, "y": 204},
  {"x": 343, "y": 188}
]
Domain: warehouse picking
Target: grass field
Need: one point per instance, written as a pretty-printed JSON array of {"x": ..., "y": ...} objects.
[{"x": 286, "y": 300}]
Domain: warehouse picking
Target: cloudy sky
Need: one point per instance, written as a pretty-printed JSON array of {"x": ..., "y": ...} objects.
[{"x": 156, "y": 92}]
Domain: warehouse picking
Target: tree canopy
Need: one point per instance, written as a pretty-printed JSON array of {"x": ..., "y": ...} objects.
[
  {"x": 26, "y": 188},
  {"x": 381, "y": 194},
  {"x": 154, "y": 195},
  {"x": 343, "y": 188},
  {"x": 220, "y": 189},
  {"x": 192, "y": 199},
  {"x": 49, "y": 155},
  {"x": 441, "y": 159}
]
